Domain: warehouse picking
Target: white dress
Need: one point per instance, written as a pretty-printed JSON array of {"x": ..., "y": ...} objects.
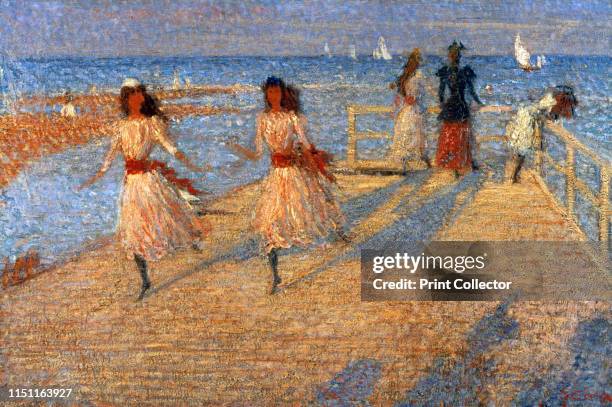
[
  {"x": 408, "y": 140},
  {"x": 68, "y": 110},
  {"x": 296, "y": 206},
  {"x": 520, "y": 130},
  {"x": 153, "y": 218}
]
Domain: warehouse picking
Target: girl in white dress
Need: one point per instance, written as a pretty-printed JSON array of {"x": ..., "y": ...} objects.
[
  {"x": 528, "y": 121},
  {"x": 154, "y": 219},
  {"x": 297, "y": 206},
  {"x": 408, "y": 146}
]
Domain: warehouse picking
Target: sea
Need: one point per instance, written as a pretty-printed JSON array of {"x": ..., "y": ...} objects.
[{"x": 43, "y": 210}]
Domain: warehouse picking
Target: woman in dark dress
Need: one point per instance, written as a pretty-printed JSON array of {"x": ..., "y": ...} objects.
[{"x": 454, "y": 143}]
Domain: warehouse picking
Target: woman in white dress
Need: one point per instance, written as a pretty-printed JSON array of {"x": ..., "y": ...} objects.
[
  {"x": 408, "y": 147},
  {"x": 297, "y": 206},
  {"x": 154, "y": 219}
]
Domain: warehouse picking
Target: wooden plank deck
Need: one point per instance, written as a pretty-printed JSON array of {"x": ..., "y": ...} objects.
[
  {"x": 522, "y": 211},
  {"x": 209, "y": 333}
]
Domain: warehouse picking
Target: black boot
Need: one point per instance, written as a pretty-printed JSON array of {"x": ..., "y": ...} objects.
[
  {"x": 142, "y": 267},
  {"x": 273, "y": 260},
  {"x": 518, "y": 164},
  {"x": 343, "y": 235}
]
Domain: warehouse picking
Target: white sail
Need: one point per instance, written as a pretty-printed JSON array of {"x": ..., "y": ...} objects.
[
  {"x": 381, "y": 51},
  {"x": 353, "y": 52},
  {"x": 521, "y": 54},
  {"x": 542, "y": 60},
  {"x": 327, "y": 50},
  {"x": 176, "y": 83},
  {"x": 539, "y": 61}
]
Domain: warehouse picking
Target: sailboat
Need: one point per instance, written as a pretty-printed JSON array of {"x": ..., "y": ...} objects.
[
  {"x": 176, "y": 82},
  {"x": 381, "y": 51},
  {"x": 326, "y": 50},
  {"x": 523, "y": 58},
  {"x": 353, "y": 52},
  {"x": 540, "y": 61}
]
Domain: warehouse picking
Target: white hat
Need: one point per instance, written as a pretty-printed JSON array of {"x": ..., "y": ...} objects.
[{"x": 130, "y": 83}]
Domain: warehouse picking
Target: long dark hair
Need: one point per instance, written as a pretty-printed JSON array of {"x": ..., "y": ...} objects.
[
  {"x": 414, "y": 60},
  {"x": 290, "y": 95},
  {"x": 150, "y": 106}
]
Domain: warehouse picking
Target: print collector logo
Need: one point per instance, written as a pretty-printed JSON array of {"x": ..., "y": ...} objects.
[
  {"x": 422, "y": 262},
  {"x": 482, "y": 271}
]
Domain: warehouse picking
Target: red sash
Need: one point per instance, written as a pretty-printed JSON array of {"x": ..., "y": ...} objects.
[
  {"x": 314, "y": 160},
  {"x": 317, "y": 161},
  {"x": 142, "y": 166},
  {"x": 282, "y": 160}
]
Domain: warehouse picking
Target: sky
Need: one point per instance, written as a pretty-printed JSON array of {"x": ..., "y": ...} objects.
[{"x": 187, "y": 27}]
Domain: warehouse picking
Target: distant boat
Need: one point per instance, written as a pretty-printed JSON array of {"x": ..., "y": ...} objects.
[
  {"x": 540, "y": 61},
  {"x": 523, "y": 57},
  {"x": 353, "y": 52},
  {"x": 157, "y": 72},
  {"x": 327, "y": 50},
  {"x": 176, "y": 83},
  {"x": 381, "y": 51}
]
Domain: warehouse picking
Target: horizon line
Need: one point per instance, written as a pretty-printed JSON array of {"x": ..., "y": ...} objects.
[{"x": 50, "y": 56}]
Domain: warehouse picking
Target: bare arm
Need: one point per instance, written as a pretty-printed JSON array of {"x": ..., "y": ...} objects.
[
  {"x": 179, "y": 155},
  {"x": 108, "y": 160},
  {"x": 299, "y": 126},
  {"x": 259, "y": 141},
  {"x": 397, "y": 102},
  {"x": 161, "y": 136}
]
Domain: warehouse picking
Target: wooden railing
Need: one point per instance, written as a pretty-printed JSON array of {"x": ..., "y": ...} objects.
[
  {"x": 573, "y": 185},
  {"x": 352, "y": 160},
  {"x": 600, "y": 199},
  {"x": 355, "y": 163}
]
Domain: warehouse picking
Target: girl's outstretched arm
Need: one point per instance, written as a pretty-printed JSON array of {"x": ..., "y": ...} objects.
[
  {"x": 259, "y": 141},
  {"x": 108, "y": 160},
  {"x": 160, "y": 134}
]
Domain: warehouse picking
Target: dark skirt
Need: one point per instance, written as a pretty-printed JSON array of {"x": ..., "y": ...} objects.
[{"x": 454, "y": 152}]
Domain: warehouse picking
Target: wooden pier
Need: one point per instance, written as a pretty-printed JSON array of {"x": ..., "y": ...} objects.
[{"x": 209, "y": 333}]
